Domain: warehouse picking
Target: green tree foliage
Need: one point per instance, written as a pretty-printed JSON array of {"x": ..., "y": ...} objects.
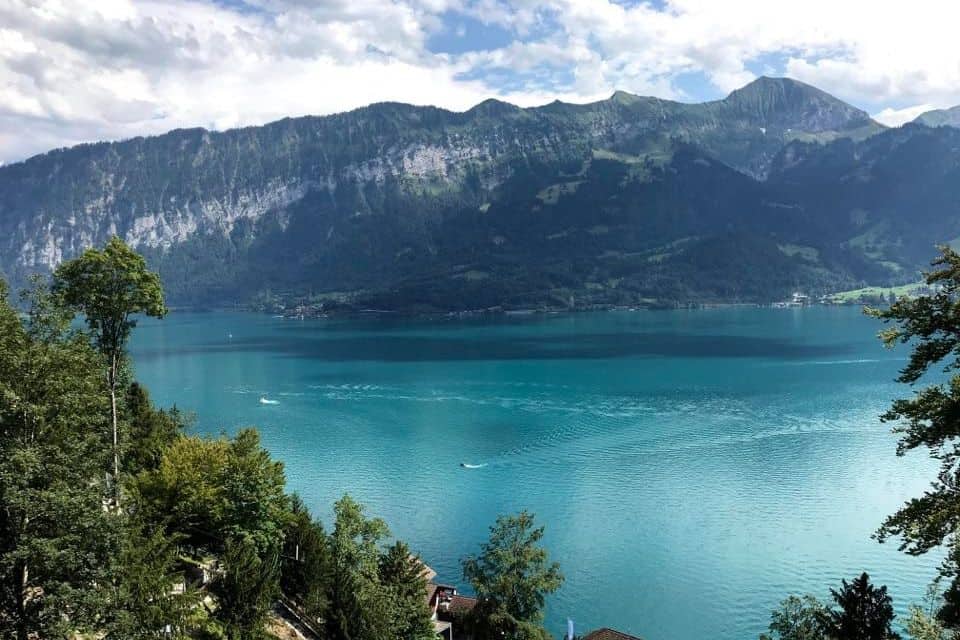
[
  {"x": 921, "y": 625},
  {"x": 151, "y": 430},
  {"x": 186, "y": 489},
  {"x": 798, "y": 618},
  {"x": 403, "y": 579},
  {"x": 931, "y": 418},
  {"x": 864, "y": 612},
  {"x": 358, "y": 607},
  {"x": 143, "y": 599},
  {"x": 949, "y": 612},
  {"x": 212, "y": 490},
  {"x": 247, "y": 589},
  {"x": 306, "y": 561},
  {"x": 55, "y": 539},
  {"x": 109, "y": 288},
  {"x": 923, "y": 622},
  {"x": 511, "y": 577},
  {"x": 253, "y": 485}
]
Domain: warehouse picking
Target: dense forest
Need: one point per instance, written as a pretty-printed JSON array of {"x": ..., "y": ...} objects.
[{"x": 629, "y": 201}]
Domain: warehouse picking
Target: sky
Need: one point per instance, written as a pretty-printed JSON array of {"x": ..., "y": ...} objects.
[{"x": 75, "y": 71}]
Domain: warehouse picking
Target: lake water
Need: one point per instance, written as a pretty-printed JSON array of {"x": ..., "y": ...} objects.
[{"x": 692, "y": 468}]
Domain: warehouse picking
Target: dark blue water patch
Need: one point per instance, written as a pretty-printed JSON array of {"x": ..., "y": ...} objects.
[{"x": 596, "y": 346}]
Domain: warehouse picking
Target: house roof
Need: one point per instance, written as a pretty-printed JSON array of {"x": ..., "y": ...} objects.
[
  {"x": 462, "y": 604},
  {"x": 608, "y": 634}
]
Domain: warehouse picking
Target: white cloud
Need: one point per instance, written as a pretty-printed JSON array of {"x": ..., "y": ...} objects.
[
  {"x": 896, "y": 117},
  {"x": 73, "y": 71}
]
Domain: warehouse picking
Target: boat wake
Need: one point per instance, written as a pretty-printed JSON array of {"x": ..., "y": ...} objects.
[{"x": 268, "y": 401}]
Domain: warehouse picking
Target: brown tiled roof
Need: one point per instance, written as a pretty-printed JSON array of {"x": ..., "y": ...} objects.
[
  {"x": 608, "y": 634},
  {"x": 462, "y": 604}
]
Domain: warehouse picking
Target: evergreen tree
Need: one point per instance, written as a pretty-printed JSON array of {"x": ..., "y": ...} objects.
[
  {"x": 865, "y": 612},
  {"x": 511, "y": 577},
  {"x": 949, "y": 612},
  {"x": 306, "y": 561},
  {"x": 151, "y": 430},
  {"x": 930, "y": 418},
  {"x": 254, "y": 493},
  {"x": 247, "y": 589},
  {"x": 402, "y": 575},
  {"x": 109, "y": 288},
  {"x": 143, "y": 601}
]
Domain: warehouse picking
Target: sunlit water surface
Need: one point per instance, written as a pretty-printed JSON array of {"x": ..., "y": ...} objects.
[{"x": 692, "y": 467}]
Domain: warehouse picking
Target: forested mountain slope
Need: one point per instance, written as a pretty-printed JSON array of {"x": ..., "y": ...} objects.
[{"x": 630, "y": 200}]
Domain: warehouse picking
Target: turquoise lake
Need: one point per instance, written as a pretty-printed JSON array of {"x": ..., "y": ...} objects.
[{"x": 692, "y": 468}]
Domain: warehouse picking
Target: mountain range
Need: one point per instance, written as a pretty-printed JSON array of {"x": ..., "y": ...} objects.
[{"x": 626, "y": 201}]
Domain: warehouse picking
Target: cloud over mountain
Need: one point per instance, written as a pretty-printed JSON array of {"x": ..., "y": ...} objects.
[{"x": 78, "y": 71}]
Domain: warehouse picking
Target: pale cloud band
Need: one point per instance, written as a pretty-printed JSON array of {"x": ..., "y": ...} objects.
[{"x": 75, "y": 71}]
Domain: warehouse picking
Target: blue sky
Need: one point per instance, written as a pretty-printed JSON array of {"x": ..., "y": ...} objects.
[{"x": 75, "y": 71}]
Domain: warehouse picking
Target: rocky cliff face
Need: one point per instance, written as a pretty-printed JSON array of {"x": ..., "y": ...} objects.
[{"x": 343, "y": 198}]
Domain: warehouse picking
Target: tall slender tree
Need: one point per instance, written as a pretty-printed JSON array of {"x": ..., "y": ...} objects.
[
  {"x": 359, "y": 609},
  {"x": 110, "y": 287},
  {"x": 402, "y": 576},
  {"x": 306, "y": 561}
]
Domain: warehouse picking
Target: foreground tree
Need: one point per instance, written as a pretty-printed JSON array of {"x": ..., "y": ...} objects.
[
  {"x": 511, "y": 577},
  {"x": 798, "y": 619},
  {"x": 865, "y": 612},
  {"x": 109, "y": 288},
  {"x": 931, "y": 418},
  {"x": 56, "y": 542}
]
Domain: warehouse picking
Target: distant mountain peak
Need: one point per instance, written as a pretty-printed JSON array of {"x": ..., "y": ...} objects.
[
  {"x": 624, "y": 97},
  {"x": 949, "y": 117},
  {"x": 786, "y": 102},
  {"x": 493, "y": 107}
]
